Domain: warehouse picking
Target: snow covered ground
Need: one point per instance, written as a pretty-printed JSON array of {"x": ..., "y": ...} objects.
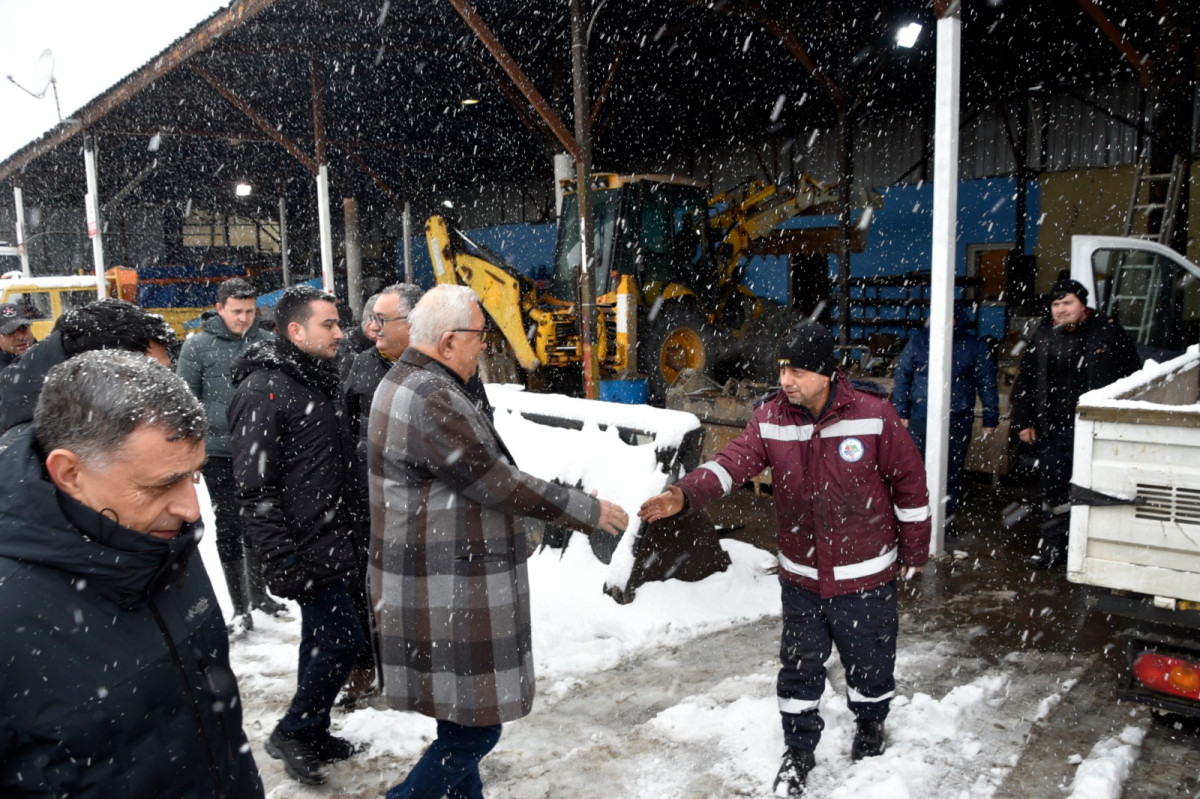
[{"x": 673, "y": 696}]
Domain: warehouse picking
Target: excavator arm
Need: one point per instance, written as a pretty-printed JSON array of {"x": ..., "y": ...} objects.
[{"x": 506, "y": 296}]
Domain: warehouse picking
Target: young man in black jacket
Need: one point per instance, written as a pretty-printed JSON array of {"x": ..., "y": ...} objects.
[
  {"x": 1078, "y": 350},
  {"x": 291, "y": 453},
  {"x": 205, "y": 363},
  {"x": 116, "y": 677}
]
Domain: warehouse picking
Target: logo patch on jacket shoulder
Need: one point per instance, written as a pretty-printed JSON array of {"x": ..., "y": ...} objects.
[
  {"x": 851, "y": 450},
  {"x": 198, "y": 609}
]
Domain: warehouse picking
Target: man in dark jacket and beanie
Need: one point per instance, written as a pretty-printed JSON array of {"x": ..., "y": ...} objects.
[
  {"x": 291, "y": 453},
  {"x": 449, "y": 579},
  {"x": 972, "y": 372},
  {"x": 116, "y": 677},
  {"x": 389, "y": 322},
  {"x": 852, "y": 513},
  {"x": 205, "y": 364},
  {"x": 108, "y": 324},
  {"x": 1078, "y": 350}
]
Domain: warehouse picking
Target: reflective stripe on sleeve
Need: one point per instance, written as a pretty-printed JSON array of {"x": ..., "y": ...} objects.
[
  {"x": 911, "y": 514},
  {"x": 721, "y": 473},
  {"x": 796, "y": 568}
]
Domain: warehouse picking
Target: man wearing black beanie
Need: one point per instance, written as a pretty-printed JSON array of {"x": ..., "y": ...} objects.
[
  {"x": 852, "y": 514},
  {"x": 1078, "y": 350}
]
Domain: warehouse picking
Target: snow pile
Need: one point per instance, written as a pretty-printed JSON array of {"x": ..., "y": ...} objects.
[{"x": 1102, "y": 775}]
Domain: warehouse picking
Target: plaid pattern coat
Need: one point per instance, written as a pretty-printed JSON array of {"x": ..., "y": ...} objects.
[{"x": 448, "y": 574}]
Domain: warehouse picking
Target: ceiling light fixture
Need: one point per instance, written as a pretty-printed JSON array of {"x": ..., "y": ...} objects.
[{"x": 906, "y": 37}]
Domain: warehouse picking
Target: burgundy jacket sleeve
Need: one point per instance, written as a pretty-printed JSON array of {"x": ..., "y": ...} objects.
[
  {"x": 903, "y": 471},
  {"x": 742, "y": 458}
]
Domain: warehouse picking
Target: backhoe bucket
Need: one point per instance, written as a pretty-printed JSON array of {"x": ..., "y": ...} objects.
[{"x": 626, "y": 454}]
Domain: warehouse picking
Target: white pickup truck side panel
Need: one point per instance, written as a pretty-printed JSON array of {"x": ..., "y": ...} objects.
[{"x": 1124, "y": 447}]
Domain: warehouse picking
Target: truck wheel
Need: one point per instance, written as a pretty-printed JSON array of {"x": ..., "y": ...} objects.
[{"x": 679, "y": 339}]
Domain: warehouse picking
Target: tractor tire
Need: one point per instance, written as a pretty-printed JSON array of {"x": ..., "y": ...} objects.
[
  {"x": 759, "y": 345},
  {"x": 678, "y": 339}
]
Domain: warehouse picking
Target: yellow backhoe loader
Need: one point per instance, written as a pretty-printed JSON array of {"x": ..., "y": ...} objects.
[{"x": 669, "y": 263}]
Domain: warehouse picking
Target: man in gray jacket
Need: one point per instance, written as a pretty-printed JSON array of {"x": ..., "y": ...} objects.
[
  {"x": 204, "y": 364},
  {"x": 449, "y": 581}
]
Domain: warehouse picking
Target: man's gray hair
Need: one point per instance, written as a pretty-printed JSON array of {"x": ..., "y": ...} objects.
[
  {"x": 368, "y": 309},
  {"x": 408, "y": 293},
  {"x": 442, "y": 309},
  {"x": 90, "y": 404}
]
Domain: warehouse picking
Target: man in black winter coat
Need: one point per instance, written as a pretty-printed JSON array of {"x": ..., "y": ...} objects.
[
  {"x": 1079, "y": 350},
  {"x": 291, "y": 454},
  {"x": 115, "y": 679},
  {"x": 389, "y": 321}
]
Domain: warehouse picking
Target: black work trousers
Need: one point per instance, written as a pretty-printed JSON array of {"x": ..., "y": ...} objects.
[
  {"x": 218, "y": 476},
  {"x": 864, "y": 626}
]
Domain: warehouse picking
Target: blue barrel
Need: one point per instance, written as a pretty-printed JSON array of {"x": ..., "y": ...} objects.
[{"x": 629, "y": 392}]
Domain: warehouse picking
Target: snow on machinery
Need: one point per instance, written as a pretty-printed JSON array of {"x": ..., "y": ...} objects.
[{"x": 669, "y": 263}]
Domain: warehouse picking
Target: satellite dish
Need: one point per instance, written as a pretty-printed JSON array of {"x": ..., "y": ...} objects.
[{"x": 43, "y": 73}]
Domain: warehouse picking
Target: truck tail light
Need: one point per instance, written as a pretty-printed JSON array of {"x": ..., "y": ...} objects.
[{"x": 1168, "y": 674}]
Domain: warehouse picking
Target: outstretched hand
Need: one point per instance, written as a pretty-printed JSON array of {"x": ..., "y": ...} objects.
[
  {"x": 613, "y": 518},
  {"x": 660, "y": 506}
]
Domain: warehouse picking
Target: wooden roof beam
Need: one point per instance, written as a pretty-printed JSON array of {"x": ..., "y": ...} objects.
[
  {"x": 1141, "y": 65},
  {"x": 263, "y": 124},
  {"x": 518, "y": 76}
]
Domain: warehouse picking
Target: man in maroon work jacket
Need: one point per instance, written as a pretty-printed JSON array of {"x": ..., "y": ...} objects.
[{"x": 851, "y": 511}]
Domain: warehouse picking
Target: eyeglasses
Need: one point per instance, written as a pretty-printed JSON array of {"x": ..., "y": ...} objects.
[
  {"x": 381, "y": 320},
  {"x": 482, "y": 331}
]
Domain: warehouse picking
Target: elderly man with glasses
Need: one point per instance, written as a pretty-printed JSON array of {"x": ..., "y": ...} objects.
[{"x": 449, "y": 580}]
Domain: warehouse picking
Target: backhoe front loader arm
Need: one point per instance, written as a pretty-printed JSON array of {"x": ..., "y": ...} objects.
[{"x": 505, "y": 296}]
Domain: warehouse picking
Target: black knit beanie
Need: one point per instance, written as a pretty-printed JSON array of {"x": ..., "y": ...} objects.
[
  {"x": 1067, "y": 286},
  {"x": 808, "y": 346}
]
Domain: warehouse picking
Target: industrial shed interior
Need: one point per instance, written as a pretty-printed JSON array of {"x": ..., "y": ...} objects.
[{"x": 453, "y": 107}]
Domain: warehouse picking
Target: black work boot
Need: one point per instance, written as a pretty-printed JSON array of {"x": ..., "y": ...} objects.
[
  {"x": 793, "y": 773},
  {"x": 235, "y": 580},
  {"x": 300, "y": 757},
  {"x": 868, "y": 740},
  {"x": 257, "y": 584},
  {"x": 330, "y": 748}
]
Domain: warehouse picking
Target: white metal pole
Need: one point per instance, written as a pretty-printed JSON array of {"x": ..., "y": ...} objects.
[
  {"x": 283, "y": 243},
  {"x": 22, "y": 251},
  {"x": 326, "y": 230},
  {"x": 353, "y": 256},
  {"x": 945, "y": 246},
  {"x": 95, "y": 224},
  {"x": 406, "y": 218}
]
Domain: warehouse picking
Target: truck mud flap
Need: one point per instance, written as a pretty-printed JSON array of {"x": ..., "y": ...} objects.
[{"x": 1096, "y": 499}]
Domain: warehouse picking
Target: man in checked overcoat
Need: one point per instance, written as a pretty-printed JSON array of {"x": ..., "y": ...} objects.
[{"x": 448, "y": 574}]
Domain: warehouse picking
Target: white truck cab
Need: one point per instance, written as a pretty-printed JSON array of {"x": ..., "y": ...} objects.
[
  {"x": 1135, "y": 486},
  {"x": 1153, "y": 291}
]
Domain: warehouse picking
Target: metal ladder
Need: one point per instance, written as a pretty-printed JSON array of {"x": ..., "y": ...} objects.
[
  {"x": 1135, "y": 297},
  {"x": 1141, "y": 221}
]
